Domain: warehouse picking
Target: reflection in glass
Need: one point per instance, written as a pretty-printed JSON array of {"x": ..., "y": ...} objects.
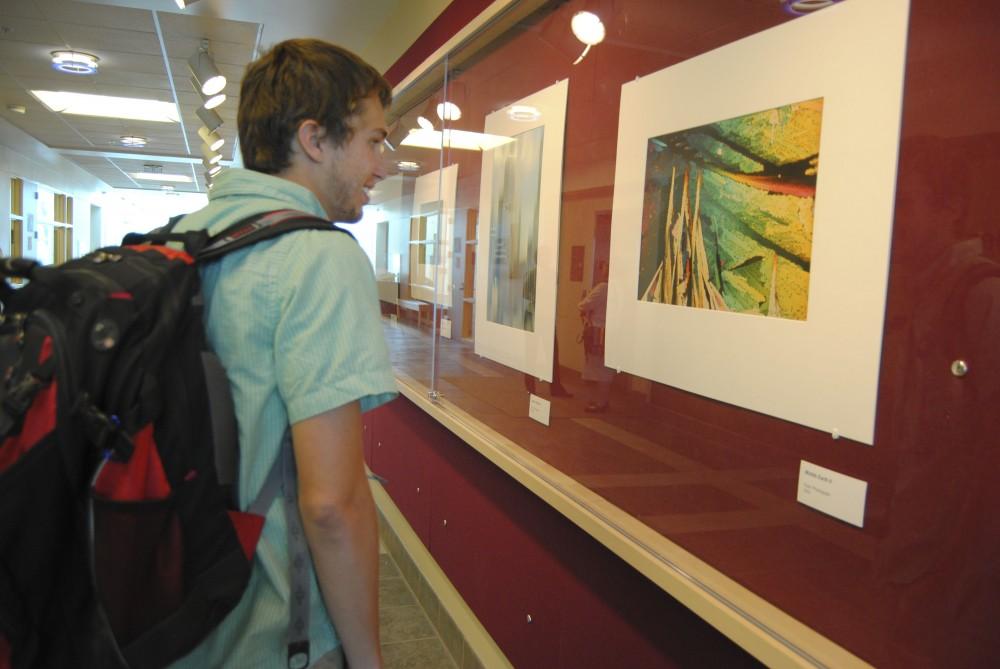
[{"x": 517, "y": 172}]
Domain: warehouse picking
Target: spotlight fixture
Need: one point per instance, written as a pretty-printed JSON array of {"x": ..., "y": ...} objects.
[
  {"x": 214, "y": 169},
  {"x": 208, "y": 101},
  {"x": 589, "y": 29},
  {"x": 74, "y": 62},
  {"x": 183, "y": 4},
  {"x": 209, "y": 117},
  {"x": 408, "y": 165},
  {"x": 210, "y": 80},
  {"x": 132, "y": 141},
  {"x": 17, "y": 109},
  {"x": 211, "y": 139},
  {"x": 208, "y": 156},
  {"x": 424, "y": 123},
  {"x": 448, "y": 111}
]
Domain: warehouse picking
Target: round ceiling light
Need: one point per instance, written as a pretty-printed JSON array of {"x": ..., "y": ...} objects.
[
  {"x": 588, "y": 28},
  {"x": 74, "y": 62},
  {"x": 133, "y": 141},
  {"x": 449, "y": 111}
]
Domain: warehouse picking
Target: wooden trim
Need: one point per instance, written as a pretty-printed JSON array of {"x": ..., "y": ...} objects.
[{"x": 769, "y": 634}]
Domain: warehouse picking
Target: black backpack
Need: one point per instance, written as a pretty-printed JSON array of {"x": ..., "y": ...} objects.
[{"x": 120, "y": 546}]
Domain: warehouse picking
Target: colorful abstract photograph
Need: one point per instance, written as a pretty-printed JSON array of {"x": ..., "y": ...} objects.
[{"x": 728, "y": 213}]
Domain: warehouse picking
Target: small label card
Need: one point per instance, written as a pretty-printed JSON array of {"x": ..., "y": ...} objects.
[
  {"x": 833, "y": 493},
  {"x": 538, "y": 408},
  {"x": 446, "y": 328}
]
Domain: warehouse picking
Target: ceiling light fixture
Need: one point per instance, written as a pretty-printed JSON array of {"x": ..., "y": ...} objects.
[
  {"x": 159, "y": 176},
  {"x": 454, "y": 139},
  {"x": 17, "y": 109},
  {"x": 589, "y": 29},
  {"x": 523, "y": 113},
  {"x": 211, "y": 139},
  {"x": 208, "y": 101},
  {"x": 183, "y": 4},
  {"x": 408, "y": 165},
  {"x": 209, "y": 117},
  {"x": 85, "y": 104},
  {"x": 210, "y": 80},
  {"x": 424, "y": 123},
  {"x": 214, "y": 169},
  {"x": 74, "y": 62},
  {"x": 448, "y": 111},
  {"x": 208, "y": 156},
  {"x": 132, "y": 141}
]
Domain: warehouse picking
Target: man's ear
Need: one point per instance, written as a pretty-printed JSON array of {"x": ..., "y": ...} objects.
[{"x": 309, "y": 136}]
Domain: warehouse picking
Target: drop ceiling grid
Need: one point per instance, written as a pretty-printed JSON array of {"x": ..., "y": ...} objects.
[{"x": 131, "y": 65}]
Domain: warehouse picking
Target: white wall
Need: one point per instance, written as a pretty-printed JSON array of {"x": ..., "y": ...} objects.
[{"x": 23, "y": 156}]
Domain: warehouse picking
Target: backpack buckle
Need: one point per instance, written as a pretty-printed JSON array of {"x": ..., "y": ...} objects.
[
  {"x": 298, "y": 654},
  {"x": 104, "y": 432}
]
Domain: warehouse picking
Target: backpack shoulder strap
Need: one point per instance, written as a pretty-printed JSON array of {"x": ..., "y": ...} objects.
[{"x": 259, "y": 227}]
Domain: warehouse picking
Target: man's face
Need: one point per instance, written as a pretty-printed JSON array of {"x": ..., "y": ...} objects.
[{"x": 354, "y": 167}]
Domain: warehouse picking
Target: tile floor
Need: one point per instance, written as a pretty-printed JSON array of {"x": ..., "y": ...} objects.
[{"x": 409, "y": 640}]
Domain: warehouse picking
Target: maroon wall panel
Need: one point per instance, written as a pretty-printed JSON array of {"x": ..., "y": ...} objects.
[{"x": 510, "y": 555}]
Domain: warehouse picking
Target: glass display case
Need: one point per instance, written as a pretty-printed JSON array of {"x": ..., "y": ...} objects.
[{"x": 691, "y": 269}]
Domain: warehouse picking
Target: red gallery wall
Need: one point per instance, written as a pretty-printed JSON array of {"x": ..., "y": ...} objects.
[
  {"x": 926, "y": 593},
  {"x": 511, "y": 556}
]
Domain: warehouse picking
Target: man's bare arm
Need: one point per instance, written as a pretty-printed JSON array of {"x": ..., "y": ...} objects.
[{"x": 338, "y": 516}]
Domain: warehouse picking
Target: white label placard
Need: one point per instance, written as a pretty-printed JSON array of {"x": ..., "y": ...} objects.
[
  {"x": 538, "y": 408},
  {"x": 446, "y": 328},
  {"x": 833, "y": 493}
]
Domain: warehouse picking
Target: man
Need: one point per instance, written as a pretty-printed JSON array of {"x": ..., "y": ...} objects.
[{"x": 295, "y": 321}]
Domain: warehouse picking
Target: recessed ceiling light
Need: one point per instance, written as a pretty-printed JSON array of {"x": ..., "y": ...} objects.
[
  {"x": 523, "y": 113},
  {"x": 132, "y": 140},
  {"x": 155, "y": 176},
  {"x": 74, "y": 62},
  {"x": 85, "y": 104},
  {"x": 448, "y": 111},
  {"x": 408, "y": 166}
]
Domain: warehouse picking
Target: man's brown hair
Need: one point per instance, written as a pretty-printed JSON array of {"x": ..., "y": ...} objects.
[{"x": 296, "y": 80}]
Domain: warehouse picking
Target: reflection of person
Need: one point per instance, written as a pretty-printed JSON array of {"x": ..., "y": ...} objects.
[
  {"x": 296, "y": 324},
  {"x": 942, "y": 541},
  {"x": 593, "y": 310}
]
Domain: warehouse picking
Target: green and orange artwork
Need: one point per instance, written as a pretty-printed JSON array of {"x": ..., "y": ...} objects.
[{"x": 728, "y": 213}]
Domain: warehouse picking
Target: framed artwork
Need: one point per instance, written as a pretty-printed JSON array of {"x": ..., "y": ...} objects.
[
  {"x": 753, "y": 214},
  {"x": 518, "y": 236},
  {"x": 432, "y": 223}
]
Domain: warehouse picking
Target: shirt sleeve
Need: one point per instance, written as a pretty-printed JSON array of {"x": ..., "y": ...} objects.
[{"x": 329, "y": 346}]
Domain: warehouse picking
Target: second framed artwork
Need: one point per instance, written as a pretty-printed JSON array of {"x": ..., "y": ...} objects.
[
  {"x": 752, "y": 218},
  {"x": 518, "y": 235}
]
